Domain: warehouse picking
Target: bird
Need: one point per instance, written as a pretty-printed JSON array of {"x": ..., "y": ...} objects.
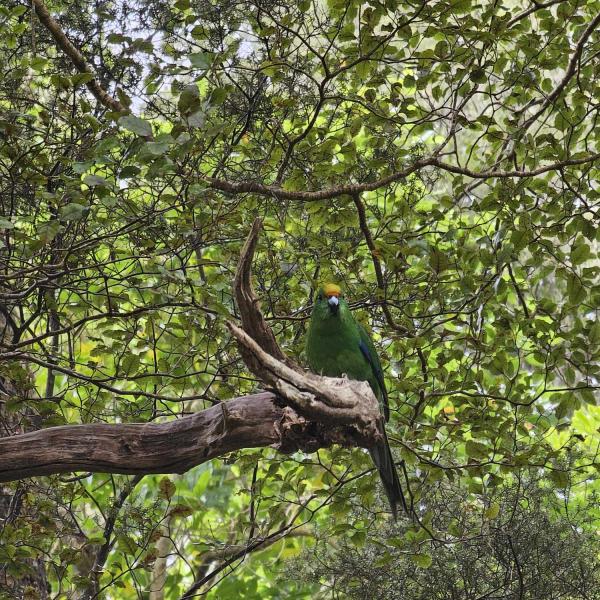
[{"x": 337, "y": 346}]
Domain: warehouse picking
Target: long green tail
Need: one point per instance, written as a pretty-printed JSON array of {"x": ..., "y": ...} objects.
[{"x": 382, "y": 457}]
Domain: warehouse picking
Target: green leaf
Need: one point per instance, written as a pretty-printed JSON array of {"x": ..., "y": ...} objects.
[
  {"x": 370, "y": 95},
  {"x": 48, "y": 231},
  {"x": 136, "y": 125},
  {"x": 438, "y": 261},
  {"x": 359, "y": 538},
  {"x": 565, "y": 407},
  {"x": 81, "y": 79},
  {"x": 116, "y": 38},
  {"x": 94, "y": 180},
  {"x": 575, "y": 289},
  {"x": 156, "y": 148},
  {"x": 478, "y": 76},
  {"x": 422, "y": 560},
  {"x": 594, "y": 335},
  {"x": 384, "y": 560},
  {"x": 130, "y": 363},
  {"x": 129, "y": 171},
  {"x": 218, "y": 96},
  {"x": 476, "y": 449},
  {"x": 492, "y": 511},
  {"x": 127, "y": 543},
  {"x": 580, "y": 253},
  {"x": 189, "y": 99},
  {"x": 560, "y": 478},
  {"x": 73, "y": 212},
  {"x": 82, "y": 167},
  {"x": 201, "y": 60}
]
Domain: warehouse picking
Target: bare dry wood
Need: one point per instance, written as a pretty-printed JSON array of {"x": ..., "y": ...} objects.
[
  {"x": 251, "y": 316},
  {"x": 326, "y": 399},
  {"x": 305, "y": 412},
  {"x": 251, "y": 421}
]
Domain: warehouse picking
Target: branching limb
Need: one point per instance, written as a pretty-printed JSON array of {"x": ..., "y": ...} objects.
[
  {"x": 76, "y": 57},
  {"x": 252, "y": 319},
  {"x": 308, "y": 412},
  {"x": 243, "y": 187},
  {"x": 253, "y": 421},
  {"x": 326, "y": 399},
  {"x": 335, "y": 401}
]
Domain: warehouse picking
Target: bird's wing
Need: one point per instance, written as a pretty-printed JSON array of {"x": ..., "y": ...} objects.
[{"x": 368, "y": 350}]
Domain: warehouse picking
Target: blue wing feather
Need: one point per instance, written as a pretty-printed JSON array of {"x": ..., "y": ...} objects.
[{"x": 373, "y": 360}]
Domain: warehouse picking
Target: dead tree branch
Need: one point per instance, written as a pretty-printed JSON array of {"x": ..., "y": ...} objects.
[
  {"x": 251, "y": 317},
  {"x": 254, "y": 421},
  {"x": 305, "y": 412}
]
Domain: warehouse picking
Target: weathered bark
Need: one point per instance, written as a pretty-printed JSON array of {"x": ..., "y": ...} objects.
[
  {"x": 174, "y": 447},
  {"x": 308, "y": 412},
  {"x": 304, "y": 412},
  {"x": 336, "y": 401},
  {"x": 253, "y": 322}
]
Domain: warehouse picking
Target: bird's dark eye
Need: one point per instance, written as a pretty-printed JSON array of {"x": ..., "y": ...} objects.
[{"x": 320, "y": 297}]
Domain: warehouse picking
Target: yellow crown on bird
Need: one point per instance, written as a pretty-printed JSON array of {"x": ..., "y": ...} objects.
[{"x": 331, "y": 289}]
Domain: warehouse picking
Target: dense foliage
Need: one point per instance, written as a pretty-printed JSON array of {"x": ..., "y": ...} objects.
[
  {"x": 437, "y": 159},
  {"x": 525, "y": 546}
]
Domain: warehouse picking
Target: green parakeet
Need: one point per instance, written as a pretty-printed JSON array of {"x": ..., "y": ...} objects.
[{"x": 337, "y": 345}]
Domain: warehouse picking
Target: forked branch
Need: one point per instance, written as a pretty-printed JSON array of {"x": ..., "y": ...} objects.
[{"x": 303, "y": 412}]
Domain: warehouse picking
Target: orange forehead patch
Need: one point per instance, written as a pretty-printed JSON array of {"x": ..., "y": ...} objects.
[{"x": 331, "y": 289}]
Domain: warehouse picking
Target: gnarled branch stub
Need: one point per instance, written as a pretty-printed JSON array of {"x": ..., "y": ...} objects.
[{"x": 335, "y": 401}]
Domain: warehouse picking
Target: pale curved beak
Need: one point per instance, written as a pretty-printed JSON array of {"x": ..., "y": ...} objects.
[{"x": 334, "y": 304}]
